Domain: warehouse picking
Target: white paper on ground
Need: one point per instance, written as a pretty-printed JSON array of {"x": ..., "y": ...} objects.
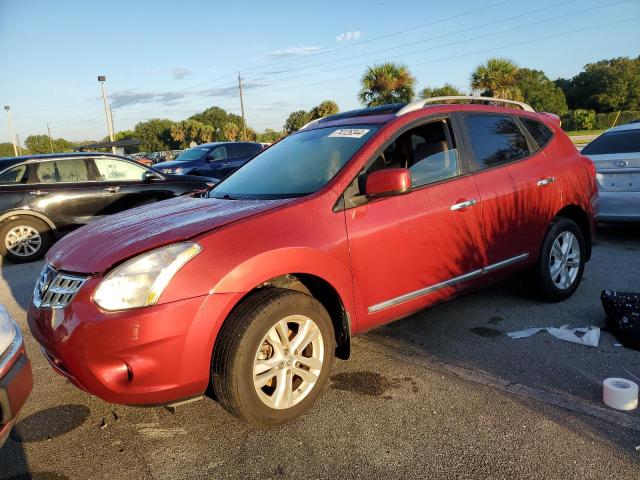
[{"x": 589, "y": 336}]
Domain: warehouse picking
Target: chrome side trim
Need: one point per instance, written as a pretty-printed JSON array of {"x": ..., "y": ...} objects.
[
  {"x": 505, "y": 263},
  {"x": 424, "y": 291},
  {"x": 447, "y": 283}
]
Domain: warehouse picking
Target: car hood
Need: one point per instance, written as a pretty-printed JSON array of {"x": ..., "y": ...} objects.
[{"x": 97, "y": 246}]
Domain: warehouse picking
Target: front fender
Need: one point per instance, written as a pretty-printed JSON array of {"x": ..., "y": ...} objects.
[{"x": 257, "y": 270}]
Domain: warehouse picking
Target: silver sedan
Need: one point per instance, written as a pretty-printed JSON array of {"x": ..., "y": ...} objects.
[{"x": 616, "y": 155}]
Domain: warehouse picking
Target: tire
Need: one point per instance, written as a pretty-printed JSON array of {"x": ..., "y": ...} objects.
[
  {"x": 243, "y": 344},
  {"x": 558, "y": 273},
  {"x": 30, "y": 237}
]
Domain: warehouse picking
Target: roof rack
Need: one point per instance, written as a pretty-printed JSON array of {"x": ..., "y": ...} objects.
[{"x": 418, "y": 104}]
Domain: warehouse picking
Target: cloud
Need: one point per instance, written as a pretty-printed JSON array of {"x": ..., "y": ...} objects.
[
  {"x": 293, "y": 52},
  {"x": 127, "y": 98},
  {"x": 179, "y": 73},
  {"x": 348, "y": 36}
]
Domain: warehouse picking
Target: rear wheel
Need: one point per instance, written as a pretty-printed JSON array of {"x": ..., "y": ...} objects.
[
  {"x": 24, "y": 239},
  {"x": 562, "y": 259},
  {"x": 273, "y": 357}
]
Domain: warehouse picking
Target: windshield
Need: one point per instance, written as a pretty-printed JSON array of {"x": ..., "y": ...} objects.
[
  {"x": 299, "y": 164},
  {"x": 622, "y": 141},
  {"x": 192, "y": 154}
]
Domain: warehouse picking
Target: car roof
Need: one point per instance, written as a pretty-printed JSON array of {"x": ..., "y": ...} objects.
[
  {"x": 386, "y": 113},
  {"x": 215, "y": 144},
  {"x": 627, "y": 126},
  {"x": 7, "y": 162}
]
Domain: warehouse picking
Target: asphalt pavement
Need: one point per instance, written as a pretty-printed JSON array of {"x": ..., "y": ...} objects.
[{"x": 442, "y": 394}]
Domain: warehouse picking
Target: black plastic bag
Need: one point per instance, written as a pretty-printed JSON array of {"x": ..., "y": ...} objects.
[{"x": 623, "y": 316}]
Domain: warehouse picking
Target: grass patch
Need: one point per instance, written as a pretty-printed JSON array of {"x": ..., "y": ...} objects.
[{"x": 584, "y": 132}]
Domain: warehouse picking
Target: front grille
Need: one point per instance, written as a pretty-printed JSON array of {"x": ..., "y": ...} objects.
[{"x": 54, "y": 289}]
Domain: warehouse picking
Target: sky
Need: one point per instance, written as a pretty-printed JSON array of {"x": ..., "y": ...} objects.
[{"x": 168, "y": 59}]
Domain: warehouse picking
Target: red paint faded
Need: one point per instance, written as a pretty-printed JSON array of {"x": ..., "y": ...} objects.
[{"x": 371, "y": 253}]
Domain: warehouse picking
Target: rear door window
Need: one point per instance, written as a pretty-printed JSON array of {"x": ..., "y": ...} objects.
[
  {"x": 622, "y": 141},
  {"x": 539, "y": 131},
  {"x": 495, "y": 140},
  {"x": 13, "y": 175},
  {"x": 114, "y": 170},
  {"x": 70, "y": 170}
]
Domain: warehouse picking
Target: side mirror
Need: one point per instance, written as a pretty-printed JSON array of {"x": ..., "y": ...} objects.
[
  {"x": 390, "y": 181},
  {"x": 150, "y": 176}
]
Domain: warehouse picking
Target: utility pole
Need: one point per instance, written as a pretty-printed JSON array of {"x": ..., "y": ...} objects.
[
  {"x": 13, "y": 136},
  {"x": 50, "y": 141},
  {"x": 107, "y": 110},
  {"x": 18, "y": 144},
  {"x": 244, "y": 122}
]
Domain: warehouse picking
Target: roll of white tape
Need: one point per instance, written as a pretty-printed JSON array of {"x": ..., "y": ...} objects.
[{"x": 620, "y": 393}]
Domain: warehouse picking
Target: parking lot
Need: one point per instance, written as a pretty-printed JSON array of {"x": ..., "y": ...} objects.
[{"x": 442, "y": 394}]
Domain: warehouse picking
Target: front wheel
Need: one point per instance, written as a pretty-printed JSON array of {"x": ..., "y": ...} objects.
[
  {"x": 562, "y": 259},
  {"x": 24, "y": 239},
  {"x": 273, "y": 357}
]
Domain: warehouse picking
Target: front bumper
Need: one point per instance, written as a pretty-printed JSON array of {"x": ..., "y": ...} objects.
[
  {"x": 146, "y": 356},
  {"x": 16, "y": 382},
  {"x": 619, "y": 207}
]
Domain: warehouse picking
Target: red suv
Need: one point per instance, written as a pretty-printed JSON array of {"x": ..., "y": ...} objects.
[{"x": 358, "y": 219}]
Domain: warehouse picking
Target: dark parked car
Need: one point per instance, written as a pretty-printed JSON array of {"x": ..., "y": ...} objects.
[
  {"x": 216, "y": 159},
  {"x": 44, "y": 195}
]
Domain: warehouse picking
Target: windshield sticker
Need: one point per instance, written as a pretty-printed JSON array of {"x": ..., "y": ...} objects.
[{"x": 350, "y": 132}]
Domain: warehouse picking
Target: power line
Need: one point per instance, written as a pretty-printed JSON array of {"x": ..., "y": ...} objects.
[
  {"x": 492, "y": 23},
  {"x": 458, "y": 42},
  {"x": 452, "y": 57},
  {"x": 356, "y": 44}
]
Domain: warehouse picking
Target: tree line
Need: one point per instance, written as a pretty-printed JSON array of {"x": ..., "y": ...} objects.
[{"x": 603, "y": 93}]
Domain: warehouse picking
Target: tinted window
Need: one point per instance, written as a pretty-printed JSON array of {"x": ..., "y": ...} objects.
[
  {"x": 13, "y": 175},
  {"x": 70, "y": 170},
  {"x": 298, "y": 165},
  {"x": 192, "y": 154},
  {"x": 495, "y": 139},
  {"x": 425, "y": 151},
  {"x": 216, "y": 154},
  {"x": 242, "y": 150},
  {"x": 624, "y": 141},
  {"x": 540, "y": 132},
  {"x": 114, "y": 170}
]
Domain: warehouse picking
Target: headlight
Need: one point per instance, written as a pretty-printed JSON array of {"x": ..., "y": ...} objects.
[
  {"x": 179, "y": 171},
  {"x": 169, "y": 170},
  {"x": 139, "y": 282},
  {"x": 7, "y": 330}
]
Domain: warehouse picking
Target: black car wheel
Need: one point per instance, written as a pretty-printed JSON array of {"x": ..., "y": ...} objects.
[
  {"x": 24, "y": 239},
  {"x": 562, "y": 261},
  {"x": 273, "y": 357}
]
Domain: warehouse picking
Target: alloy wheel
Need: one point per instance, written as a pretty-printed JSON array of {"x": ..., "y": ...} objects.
[
  {"x": 23, "y": 241},
  {"x": 288, "y": 362},
  {"x": 564, "y": 260}
]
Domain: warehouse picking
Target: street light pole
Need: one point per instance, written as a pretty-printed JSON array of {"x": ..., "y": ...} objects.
[
  {"x": 244, "y": 122},
  {"x": 13, "y": 136},
  {"x": 50, "y": 140},
  {"x": 107, "y": 110}
]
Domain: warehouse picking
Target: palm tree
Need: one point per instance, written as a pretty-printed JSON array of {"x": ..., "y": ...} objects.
[
  {"x": 387, "y": 83},
  {"x": 230, "y": 131},
  {"x": 326, "y": 108},
  {"x": 497, "y": 78}
]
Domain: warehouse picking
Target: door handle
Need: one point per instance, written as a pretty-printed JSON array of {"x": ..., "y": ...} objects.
[
  {"x": 112, "y": 189},
  {"x": 546, "y": 181},
  {"x": 38, "y": 193},
  {"x": 463, "y": 205}
]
